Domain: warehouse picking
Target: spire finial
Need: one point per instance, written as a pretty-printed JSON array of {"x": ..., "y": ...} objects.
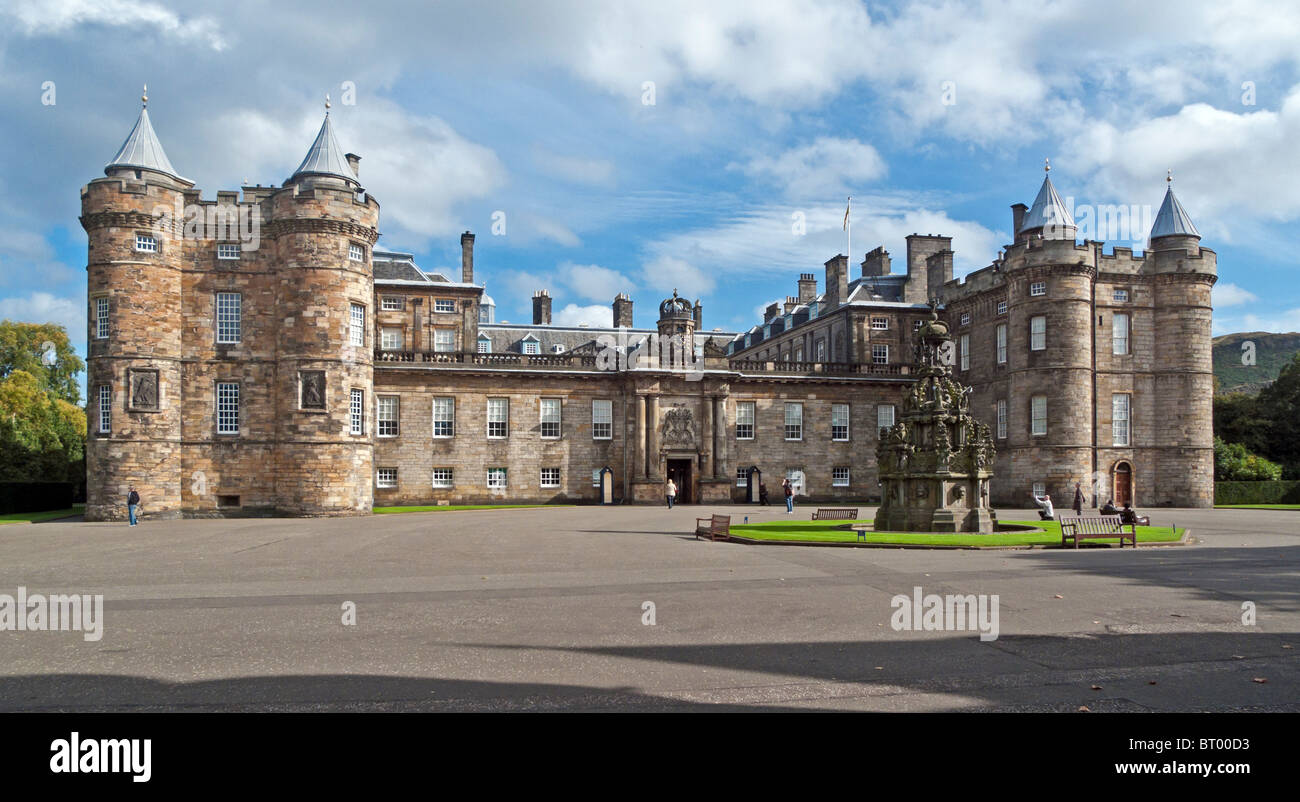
[
  {"x": 144, "y": 96},
  {"x": 1169, "y": 176},
  {"x": 327, "y": 104},
  {"x": 1047, "y": 165}
]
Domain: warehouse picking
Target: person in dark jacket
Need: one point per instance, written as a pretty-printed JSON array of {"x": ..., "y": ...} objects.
[
  {"x": 132, "y": 501},
  {"x": 762, "y": 494},
  {"x": 1109, "y": 508},
  {"x": 789, "y": 495},
  {"x": 1078, "y": 499}
]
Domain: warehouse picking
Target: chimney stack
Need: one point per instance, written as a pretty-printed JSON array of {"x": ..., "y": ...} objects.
[
  {"x": 622, "y": 311},
  {"x": 807, "y": 288},
  {"x": 837, "y": 280},
  {"x": 790, "y": 303},
  {"x": 541, "y": 308},
  {"x": 1017, "y": 219},
  {"x": 467, "y": 258},
  {"x": 876, "y": 263},
  {"x": 699, "y": 315},
  {"x": 354, "y": 161},
  {"x": 772, "y": 311}
]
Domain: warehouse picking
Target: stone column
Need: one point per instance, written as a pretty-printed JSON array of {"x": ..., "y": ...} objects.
[
  {"x": 652, "y": 424},
  {"x": 707, "y": 442},
  {"x": 639, "y": 462},
  {"x": 720, "y": 437}
]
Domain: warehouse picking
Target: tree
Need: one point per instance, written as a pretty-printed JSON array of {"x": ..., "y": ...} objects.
[
  {"x": 42, "y": 437},
  {"x": 44, "y": 351},
  {"x": 1233, "y": 463},
  {"x": 1279, "y": 404}
]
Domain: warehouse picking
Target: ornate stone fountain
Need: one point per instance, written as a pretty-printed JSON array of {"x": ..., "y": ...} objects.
[{"x": 936, "y": 461}]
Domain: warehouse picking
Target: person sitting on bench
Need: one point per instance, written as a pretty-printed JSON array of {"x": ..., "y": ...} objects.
[
  {"x": 1109, "y": 508},
  {"x": 1046, "y": 511},
  {"x": 1129, "y": 516}
]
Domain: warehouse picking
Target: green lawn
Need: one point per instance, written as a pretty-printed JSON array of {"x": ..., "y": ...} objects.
[
  {"x": 1257, "y": 506},
  {"x": 825, "y": 532},
  {"x": 453, "y": 508},
  {"x": 37, "y": 517}
]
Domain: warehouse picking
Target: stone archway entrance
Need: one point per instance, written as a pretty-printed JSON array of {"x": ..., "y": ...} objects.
[
  {"x": 1122, "y": 481},
  {"x": 679, "y": 470}
]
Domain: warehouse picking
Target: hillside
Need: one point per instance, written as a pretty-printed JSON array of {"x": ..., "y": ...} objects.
[{"x": 1272, "y": 351}]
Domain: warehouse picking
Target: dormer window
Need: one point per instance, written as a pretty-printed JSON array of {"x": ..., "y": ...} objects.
[
  {"x": 484, "y": 344},
  {"x": 531, "y": 346},
  {"x": 145, "y": 243},
  {"x": 557, "y": 349},
  {"x": 356, "y": 253}
]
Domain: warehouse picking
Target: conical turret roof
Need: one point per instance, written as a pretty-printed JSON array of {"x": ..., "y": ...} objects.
[
  {"x": 1047, "y": 209},
  {"x": 325, "y": 157},
  {"x": 142, "y": 150},
  {"x": 1172, "y": 219}
]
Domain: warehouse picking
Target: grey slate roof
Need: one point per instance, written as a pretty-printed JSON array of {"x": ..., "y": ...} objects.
[
  {"x": 143, "y": 150},
  {"x": 1047, "y": 208},
  {"x": 325, "y": 156},
  {"x": 508, "y": 338},
  {"x": 1172, "y": 219}
]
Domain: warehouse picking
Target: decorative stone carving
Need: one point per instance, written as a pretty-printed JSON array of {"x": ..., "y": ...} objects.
[
  {"x": 678, "y": 429},
  {"x": 144, "y": 390},
  {"x": 313, "y": 389}
]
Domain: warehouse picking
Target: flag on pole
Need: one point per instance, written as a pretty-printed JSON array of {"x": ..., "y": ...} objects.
[{"x": 846, "y": 213}]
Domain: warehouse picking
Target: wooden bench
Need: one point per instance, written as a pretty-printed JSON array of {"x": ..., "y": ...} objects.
[
  {"x": 1096, "y": 526},
  {"x": 716, "y": 527},
  {"x": 836, "y": 514}
]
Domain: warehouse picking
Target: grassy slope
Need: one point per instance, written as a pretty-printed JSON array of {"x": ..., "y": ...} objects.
[
  {"x": 1272, "y": 351},
  {"x": 824, "y": 532}
]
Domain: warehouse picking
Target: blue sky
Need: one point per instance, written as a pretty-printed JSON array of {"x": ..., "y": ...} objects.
[{"x": 935, "y": 117}]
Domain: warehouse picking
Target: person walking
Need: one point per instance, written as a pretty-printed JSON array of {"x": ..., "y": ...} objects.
[
  {"x": 789, "y": 495},
  {"x": 132, "y": 501},
  {"x": 1078, "y": 500},
  {"x": 671, "y": 492}
]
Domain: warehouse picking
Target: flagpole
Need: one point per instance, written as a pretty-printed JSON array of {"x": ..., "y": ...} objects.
[{"x": 848, "y": 226}]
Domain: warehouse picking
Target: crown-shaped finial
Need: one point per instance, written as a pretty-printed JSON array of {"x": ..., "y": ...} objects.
[
  {"x": 1047, "y": 165},
  {"x": 144, "y": 96}
]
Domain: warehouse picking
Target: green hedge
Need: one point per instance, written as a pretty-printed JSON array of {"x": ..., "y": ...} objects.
[
  {"x": 35, "y": 496},
  {"x": 1280, "y": 492}
]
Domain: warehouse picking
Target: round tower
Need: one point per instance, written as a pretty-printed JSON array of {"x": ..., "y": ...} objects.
[
  {"x": 323, "y": 228},
  {"x": 1049, "y": 282},
  {"x": 135, "y": 255},
  {"x": 1184, "y": 275}
]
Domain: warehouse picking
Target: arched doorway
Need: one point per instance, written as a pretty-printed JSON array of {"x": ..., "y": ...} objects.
[{"x": 1123, "y": 483}]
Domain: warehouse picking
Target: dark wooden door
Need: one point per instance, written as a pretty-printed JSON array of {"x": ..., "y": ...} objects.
[{"x": 1123, "y": 484}]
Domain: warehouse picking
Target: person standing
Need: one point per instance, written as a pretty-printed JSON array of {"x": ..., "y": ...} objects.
[
  {"x": 1078, "y": 500},
  {"x": 671, "y": 492},
  {"x": 789, "y": 495},
  {"x": 132, "y": 501}
]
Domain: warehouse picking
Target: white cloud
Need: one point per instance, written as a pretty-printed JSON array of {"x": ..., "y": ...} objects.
[
  {"x": 574, "y": 315},
  {"x": 47, "y": 17},
  {"x": 667, "y": 273},
  {"x": 825, "y": 166},
  {"x": 594, "y": 282},
  {"x": 43, "y": 307},
  {"x": 1231, "y": 295}
]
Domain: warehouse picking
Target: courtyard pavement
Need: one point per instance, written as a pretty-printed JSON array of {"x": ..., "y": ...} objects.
[{"x": 543, "y": 610}]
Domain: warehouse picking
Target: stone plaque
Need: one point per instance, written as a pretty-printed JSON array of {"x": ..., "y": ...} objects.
[
  {"x": 144, "y": 390},
  {"x": 312, "y": 383}
]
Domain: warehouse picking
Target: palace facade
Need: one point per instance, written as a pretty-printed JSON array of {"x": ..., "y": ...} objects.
[{"x": 301, "y": 371}]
